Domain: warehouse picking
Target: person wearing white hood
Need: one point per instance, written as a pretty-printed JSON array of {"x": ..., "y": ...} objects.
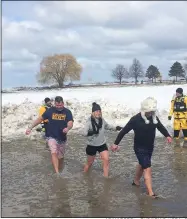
[{"x": 144, "y": 125}]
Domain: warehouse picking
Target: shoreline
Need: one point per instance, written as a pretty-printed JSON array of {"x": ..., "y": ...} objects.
[{"x": 98, "y": 85}]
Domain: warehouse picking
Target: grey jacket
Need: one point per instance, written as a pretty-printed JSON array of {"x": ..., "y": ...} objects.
[{"x": 97, "y": 139}]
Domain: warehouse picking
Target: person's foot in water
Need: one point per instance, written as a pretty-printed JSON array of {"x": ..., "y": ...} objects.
[{"x": 153, "y": 195}]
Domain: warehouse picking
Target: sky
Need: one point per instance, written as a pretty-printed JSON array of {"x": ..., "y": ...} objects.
[{"x": 99, "y": 34}]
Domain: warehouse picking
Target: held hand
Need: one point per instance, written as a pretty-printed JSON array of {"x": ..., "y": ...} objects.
[
  {"x": 114, "y": 148},
  {"x": 65, "y": 130},
  {"x": 28, "y": 131},
  {"x": 169, "y": 140}
]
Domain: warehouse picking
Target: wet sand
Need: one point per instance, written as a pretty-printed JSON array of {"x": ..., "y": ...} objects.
[{"x": 30, "y": 189}]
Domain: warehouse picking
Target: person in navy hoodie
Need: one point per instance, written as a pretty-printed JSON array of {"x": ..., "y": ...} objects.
[{"x": 60, "y": 123}]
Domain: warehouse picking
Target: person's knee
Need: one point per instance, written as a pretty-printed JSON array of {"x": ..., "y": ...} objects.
[
  {"x": 54, "y": 154},
  {"x": 60, "y": 156},
  {"x": 53, "y": 150},
  {"x": 106, "y": 161},
  {"x": 90, "y": 161},
  {"x": 140, "y": 167},
  {"x": 105, "y": 157},
  {"x": 147, "y": 173}
]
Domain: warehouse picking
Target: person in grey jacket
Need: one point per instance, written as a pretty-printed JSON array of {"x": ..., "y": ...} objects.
[{"x": 95, "y": 131}]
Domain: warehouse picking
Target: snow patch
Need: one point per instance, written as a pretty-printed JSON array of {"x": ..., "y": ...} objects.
[{"x": 118, "y": 105}]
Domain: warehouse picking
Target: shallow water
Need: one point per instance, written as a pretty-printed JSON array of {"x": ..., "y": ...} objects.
[{"x": 30, "y": 189}]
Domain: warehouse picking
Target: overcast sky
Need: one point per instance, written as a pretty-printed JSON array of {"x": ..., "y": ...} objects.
[{"x": 99, "y": 34}]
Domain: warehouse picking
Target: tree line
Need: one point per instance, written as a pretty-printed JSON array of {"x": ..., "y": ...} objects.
[
  {"x": 135, "y": 71},
  {"x": 60, "y": 68}
]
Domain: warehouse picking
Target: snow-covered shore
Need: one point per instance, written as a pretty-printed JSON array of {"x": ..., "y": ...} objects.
[{"x": 118, "y": 105}]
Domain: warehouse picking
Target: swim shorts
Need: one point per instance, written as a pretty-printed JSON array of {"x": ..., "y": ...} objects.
[
  {"x": 92, "y": 150},
  {"x": 144, "y": 157},
  {"x": 57, "y": 147}
]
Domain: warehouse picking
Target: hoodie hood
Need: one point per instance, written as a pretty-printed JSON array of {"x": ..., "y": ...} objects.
[{"x": 149, "y": 105}]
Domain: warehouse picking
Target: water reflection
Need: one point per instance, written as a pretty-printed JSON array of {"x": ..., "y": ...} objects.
[
  {"x": 180, "y": 162},
  {"x": 61, "y": 203},
  {"x": 30, "y": 188},
  {"x": 97, "y": 195},
  {"x": 144, "y": 204}
]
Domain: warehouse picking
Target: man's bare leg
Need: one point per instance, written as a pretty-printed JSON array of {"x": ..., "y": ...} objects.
[
  {"x": 61, "y": 164},
  {"x": 148, "y": 180},
  {"x": 55, "y": 162},
  {"x": 90, "y": 160},
  {"x": 138, "y": 174}
]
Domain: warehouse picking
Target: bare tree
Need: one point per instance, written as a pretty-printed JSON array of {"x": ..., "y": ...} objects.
[
  {"x": 119, "y": 73},
  {"x": 136, "y": 70},
  {"x": 58, "y": 69}
]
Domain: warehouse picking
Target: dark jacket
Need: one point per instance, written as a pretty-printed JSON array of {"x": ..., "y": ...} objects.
[{"x": 144, "y": 133}]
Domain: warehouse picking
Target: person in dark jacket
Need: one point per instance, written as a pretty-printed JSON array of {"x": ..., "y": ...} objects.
[{"x": 144, "y": 125}]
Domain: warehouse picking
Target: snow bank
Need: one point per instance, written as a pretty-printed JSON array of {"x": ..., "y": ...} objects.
[{"x": 118, "y": 105}]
